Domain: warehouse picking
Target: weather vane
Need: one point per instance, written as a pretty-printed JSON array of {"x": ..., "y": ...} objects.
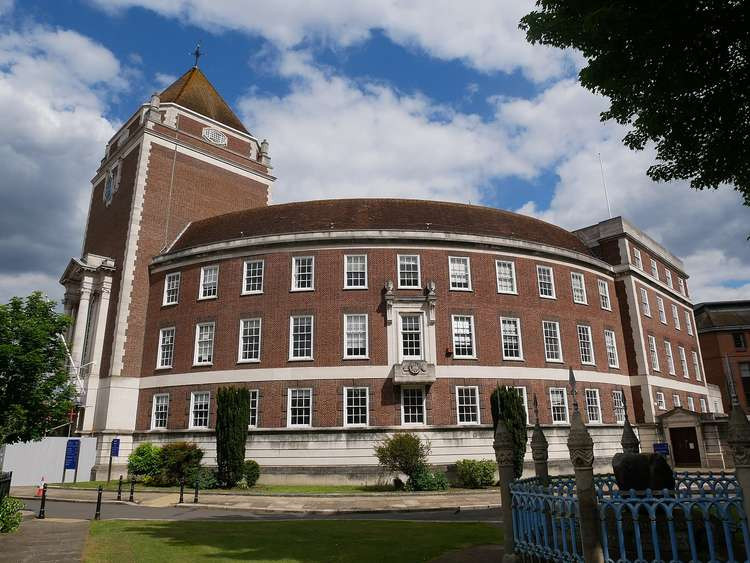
[{"x": 197, "y": 54}]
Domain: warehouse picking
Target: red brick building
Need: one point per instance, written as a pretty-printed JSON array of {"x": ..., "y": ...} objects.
[{"x": 351, "y": 319}]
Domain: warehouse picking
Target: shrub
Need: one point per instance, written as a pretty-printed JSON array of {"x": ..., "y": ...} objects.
[
  {"x": 507, "y": 403},
  {"x": 250, "y": 472},
  {"x": 474, "y": 474},
  {"x": 232, "y": 416},
  {"x": 426, "y": 480},
  {"x": 177, "y": 460},
  {"x": 205, "y": 476},
  {"x": 145, "y": 460},
  {"x": 10, "y": 514},
  {"x": 403, "y": 452}
]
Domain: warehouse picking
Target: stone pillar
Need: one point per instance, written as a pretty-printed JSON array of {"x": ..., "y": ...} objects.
[
  {"x": 581, "y": 448},
  {"x": 630, "y": 443},
  {"x": 539, "y": 449},
  {"x": 739, "y": 443},
  {"x": 82, "y": 318},
  {"x": 504, "y": 455}
]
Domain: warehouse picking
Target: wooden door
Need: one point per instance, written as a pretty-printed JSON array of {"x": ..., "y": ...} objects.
[{"x": 685, "y": 447}]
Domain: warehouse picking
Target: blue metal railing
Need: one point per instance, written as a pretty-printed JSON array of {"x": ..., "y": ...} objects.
[{"x": 545, "y": 521}]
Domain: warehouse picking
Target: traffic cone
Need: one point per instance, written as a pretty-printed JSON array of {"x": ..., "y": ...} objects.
[{"x": 40, "y": 488}]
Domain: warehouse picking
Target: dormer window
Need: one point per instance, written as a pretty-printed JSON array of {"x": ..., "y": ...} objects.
[{"x": 215, "y": 136}]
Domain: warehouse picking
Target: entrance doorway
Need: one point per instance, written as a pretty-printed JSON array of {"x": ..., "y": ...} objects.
[{"x": 685, "y": 447}]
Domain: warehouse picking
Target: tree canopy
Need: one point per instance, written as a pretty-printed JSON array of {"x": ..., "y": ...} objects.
[
  {"x": 35, "y": 391},
  {"x": 677, "y": 74}
]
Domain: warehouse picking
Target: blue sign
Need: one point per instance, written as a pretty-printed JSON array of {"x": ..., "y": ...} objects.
[
  {"x": 71, "y": 453},
  {"x": 661, "y": 448},
  {"x": 114, "y": 449}
]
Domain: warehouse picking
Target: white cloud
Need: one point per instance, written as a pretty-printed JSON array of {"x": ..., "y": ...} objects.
[
  {"x": 53, "y": 88},
  {"x": 163, "y": 80},
  {"x": 484, "y": 34}
]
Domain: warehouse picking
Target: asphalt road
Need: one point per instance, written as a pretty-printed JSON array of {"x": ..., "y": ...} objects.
[{"x": 85, "y": 510}]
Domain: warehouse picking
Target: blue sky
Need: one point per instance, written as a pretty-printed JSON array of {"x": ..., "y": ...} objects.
[{"x": 420, "y": 99}]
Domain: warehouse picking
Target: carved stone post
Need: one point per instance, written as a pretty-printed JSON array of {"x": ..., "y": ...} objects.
[
  {"x": 581, "y": 448},
  {"x": 739, "y": 442},
  {"x": 539, "y": 448},
  {"x": 504, "y": 455},
  {"x": 630, "y": 442}
]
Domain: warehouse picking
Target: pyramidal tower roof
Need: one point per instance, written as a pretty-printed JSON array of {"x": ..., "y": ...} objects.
[{"x": 193, "y": 91}]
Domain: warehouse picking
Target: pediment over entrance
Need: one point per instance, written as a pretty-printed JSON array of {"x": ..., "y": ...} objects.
[{"x": 679, "y": 415}]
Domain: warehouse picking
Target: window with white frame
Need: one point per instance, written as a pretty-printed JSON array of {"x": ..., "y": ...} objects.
[
  {"x": 670, "y": 357},
  {"x": 524, "y": 397},
  {"x": 204, "y": 344},
  {"x": 604, "y": 295},
  {"x": 209, "y": 287},
  {"x": 467, "y": 405},
  {"x": 355, "y": 336},
  {"x": 199, "y": 409},
  {"x": 688, "y": 323},
  {"x": 618, "y": 405},
  {"x": 411, "y": 336},
  {"x": 506, "y": 276},
  {"x": 253, "y": 420},
  {"x": 691, "y": 403},
  {"x": 676, "y": 316},
  {"x": 171, "y": 289},
  {"x": 676, "y": 401},
  {"x": 645, "y": 305},
  {"x": 579, "y": 287},
  {"x": 662, "y": 312},
  {"x": 299, "y": 410},
  {"x": 301, "y": 337},
  {"x": 638, "y": 261},
  {"x": 653, "y": 353},
  {"x": 683, "y": 361},
  {"x": 355, "y": 271},
  {"x": 412, "y": 405},
  {"x": 253, "y": 282},
  {"x": 303, "y": 273},
  {"x": 510, "y": 334},
  {"x": 546, "y": 281},
  {"x": 668, "y": 276},
  {"x": 704, "y": 408},
  {"x": 558, "y": 401},
  {"x": 661, "y": 404},
  {"x": 696, "y": 366},
  {"x": 249, "y": 346},
  {"x": 356, "y": 403},
  {"x": 585, "y": 344},
  {"x": 463, "y": 336},
  {"x": 593, "y": 407},
  {"x": 408, "y": 271},
  {"x": 460, "y": 273},
  {"x": 165, "y": 355},
  {"x": 552, "y": 344},
  {"x": 160, "y": 412},
  {"x": 610, "y": 343},
  {"x": 681, "y": 283},
  {"x": 654, "y": 269}
]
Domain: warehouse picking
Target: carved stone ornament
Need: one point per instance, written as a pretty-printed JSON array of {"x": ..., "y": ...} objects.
[
  {"x": 580, "y": 443},
  {"x": 630, "y": 442},
  {"x": 388, "y": 287},
  {"x": 414, "y": 367},
  {"x": 739, "y": 436},
  {"x": 503, "y": 445},
  {"x": 539, "y": 444}
]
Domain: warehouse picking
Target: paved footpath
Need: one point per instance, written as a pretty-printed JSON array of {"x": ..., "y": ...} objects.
[{"x": 45, "y": 541}]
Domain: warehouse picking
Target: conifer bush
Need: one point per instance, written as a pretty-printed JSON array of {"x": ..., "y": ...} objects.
[
  {"x": 507, "y": 403},
  {"x": 232, "y": 416}
]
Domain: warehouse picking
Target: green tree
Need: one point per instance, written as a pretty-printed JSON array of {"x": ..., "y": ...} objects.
[
  {"x": 232, "y": 417},
  {"x": 404, "y": 452},
  {"x": 676, "y": 73},
  {"x": 35, "y": 390},
  {"x": 507, "y": 403}
]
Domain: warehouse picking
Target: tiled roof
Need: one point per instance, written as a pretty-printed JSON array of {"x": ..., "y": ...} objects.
[
  {"x": 376, "y": 214},
  {"x": 192, "y": 90}
]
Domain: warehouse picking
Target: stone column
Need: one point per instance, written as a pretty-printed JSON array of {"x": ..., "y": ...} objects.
[
  {"x": 581, "y": 448},
  {"x": 630, "y": 443},
  {"x": 739, "y": 441},
  {"x": 504, "y": 455},
  {"x": 82, "y": 318},
  {"x": 539, "y": 448}
]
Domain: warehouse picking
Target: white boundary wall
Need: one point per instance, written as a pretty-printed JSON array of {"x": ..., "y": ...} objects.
[{"x": 31, "y": 461}]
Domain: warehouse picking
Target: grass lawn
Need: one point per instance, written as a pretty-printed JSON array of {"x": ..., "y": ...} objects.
[{"x": 312, "y": 541}]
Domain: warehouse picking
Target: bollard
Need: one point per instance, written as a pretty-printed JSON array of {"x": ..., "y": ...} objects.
[
  {"x": 119, "y": 489},
  {"x": 182, "y": 490},
  {"x": 43, "y": 502},
  {"x": 132, "y": 489},
  {"x": 503, "y": 446},
  {"x": 98, "y": 513},
  {"x": 195, "y": 499}
]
